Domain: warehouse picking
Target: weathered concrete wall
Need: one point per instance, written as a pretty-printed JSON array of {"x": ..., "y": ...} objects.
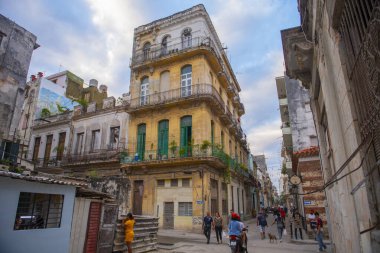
[{"x": 16, "y": 48}]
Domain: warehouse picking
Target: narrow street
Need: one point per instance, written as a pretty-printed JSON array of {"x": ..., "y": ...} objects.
[{"x": 185, "y": 242}]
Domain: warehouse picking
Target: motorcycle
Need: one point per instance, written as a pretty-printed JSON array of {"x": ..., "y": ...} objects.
[{"x": 238, "y": 244}]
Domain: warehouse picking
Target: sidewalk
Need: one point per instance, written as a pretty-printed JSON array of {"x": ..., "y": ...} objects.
[{"x": 180, "y": 241}]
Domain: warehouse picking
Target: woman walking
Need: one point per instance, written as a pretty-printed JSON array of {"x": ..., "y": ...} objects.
[
  {"x": 218, "y": 226},
  {"x": 280, "y": 226},
  {"x": 297, "y": 224},
  {"x": 129, "y": 234}
]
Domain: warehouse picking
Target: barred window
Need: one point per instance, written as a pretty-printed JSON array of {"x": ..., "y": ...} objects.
[
  {"x": 161, "y": 183},
  {"x": 185, "y": 182},
  {"x": 185, "y": 209},
  {"x": 174, "y": 182},
  {"x": 38, "y": 211}
]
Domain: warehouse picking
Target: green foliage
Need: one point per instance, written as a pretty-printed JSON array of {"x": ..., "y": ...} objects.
[
  {"x": 16, "y": 169},
  {"x": 244, "y": 167},
  {"x": 45, "y": 112},
  {"x": 82, "y": 102},
  {"x": 173, "y": 146},
  {"x": 6, "y": 161},
  {"x": 205, "y": 145},
  {"x": 93, "y": 174},
  {"x": 182, "y": 151},
  {"x": 61, "y": 109},
  {"x": 283, "y": 169}
]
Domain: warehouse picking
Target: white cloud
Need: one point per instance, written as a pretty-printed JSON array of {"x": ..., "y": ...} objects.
[{"x": 232, "y": 14}]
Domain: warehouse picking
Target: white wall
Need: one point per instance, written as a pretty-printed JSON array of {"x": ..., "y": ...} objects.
[{"x": 35, "y": 240}]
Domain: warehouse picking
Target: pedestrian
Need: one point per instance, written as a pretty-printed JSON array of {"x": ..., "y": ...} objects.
[
  {"x": 297, "y": 224},
  {"x": 282, "y": 213},
  {"x": 280, "y": 226},
  {"x": 319, "y": 233},
  {"x": 229, "y": 216},
  {"x": 262, "y": 223},
  {"x": 218, "y": 226},
  {"x": 129, "y": 233},
  {"x": 312, "y": 222},
  {"x": 206, "y": 226}
]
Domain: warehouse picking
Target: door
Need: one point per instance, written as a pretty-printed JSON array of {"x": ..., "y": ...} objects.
[
  {"x": 186, "y": 77},
  {"x": 93, "y": 224},
  {"x": 138, "y": 193},
  {"x": 107, "y": 228},
  {"x": 163, "y": 138},
  {"x": 186, "y": 127},
  {"x": 49, "y": 141},
  {"x": 144, "y": 93},
  {"x": 168, "y": 221},
  {"x": 36, "y": 148},
  {"x": 141, "y": 132},
  {"x": 61, "y": 145}
]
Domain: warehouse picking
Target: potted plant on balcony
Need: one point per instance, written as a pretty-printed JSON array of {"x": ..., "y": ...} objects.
[
  {"x": 151, "y": 151},
  {"x": 204, "y": 147},
  {"x": 45, "y": 112},
  {"x": 182, "y": 152},
  {"x": 173, "y": 147}
]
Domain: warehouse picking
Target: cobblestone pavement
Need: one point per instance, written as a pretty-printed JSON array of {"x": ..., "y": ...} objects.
[{"x": 174, "y": 241}]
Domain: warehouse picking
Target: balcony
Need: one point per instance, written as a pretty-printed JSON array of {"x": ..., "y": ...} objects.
[
  {"x": 191, "y": 155},
  {"x": 52, "y": 120}
]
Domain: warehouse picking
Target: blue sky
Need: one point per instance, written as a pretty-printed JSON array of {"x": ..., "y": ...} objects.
[{"x": 93, "y": 38}]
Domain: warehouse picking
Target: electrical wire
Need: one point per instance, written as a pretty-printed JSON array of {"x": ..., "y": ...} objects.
[{"x": 332, "y": 181}]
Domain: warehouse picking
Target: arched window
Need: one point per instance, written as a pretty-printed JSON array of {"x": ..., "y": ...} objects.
[
  {"x": 146, "y": 50},
  {"x": 144, "y": 93},
  {"x": 186, "y": 77},
  {"x": 186, "y": 38},
  {"x": 141, "y": 135},
  {"x": 186, "y": 136},
  {"x": 163, "y": 138},
  {"x": 164, "y": 45}
]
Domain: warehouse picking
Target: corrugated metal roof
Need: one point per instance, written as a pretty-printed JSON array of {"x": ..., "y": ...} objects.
[{"x": 42, "y": 179}]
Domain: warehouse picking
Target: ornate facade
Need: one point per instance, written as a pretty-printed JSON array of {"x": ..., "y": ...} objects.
[{"x": 187, "y": 151}]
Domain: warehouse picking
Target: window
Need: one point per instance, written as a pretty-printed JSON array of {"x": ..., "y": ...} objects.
[
  {"x": 222, "y": 139},
  {"x": 141, "y": 133},
  {"x": 161, "y": 183},
  {"x": 79, "y": 144},
  {"x": 186, "y": 80},
  {"x": 163, "y": 138},
  {"x": 114, "y": 137},
  {"x": 185, "y": 182},
  {"x": 174, "y": 182},
  {"x": 185, "y": 209},
  {"x": 185, "y": 144},
  {"x": 38, "y": 211},
  {"x": 144, "y": 94},
  {"x": 186, "y": 38},
  {"x": 146, "y": 51},
  {"x": 212, "y": 133},
  {"x": 164, "y": 45},
  {"x": 95, "y": 140}
]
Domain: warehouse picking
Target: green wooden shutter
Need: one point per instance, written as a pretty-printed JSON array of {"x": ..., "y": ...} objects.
[
  {"x": 185, "y": 143},
  {"x": 163, "y": 137},
  {"x": 141, "y": 141}
]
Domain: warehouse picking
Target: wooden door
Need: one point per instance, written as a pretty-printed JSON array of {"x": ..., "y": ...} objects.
[
  {"x": 163, "y": 138},
  {"x": 138, "y": 193},
  {"x": 168, "y": 221},
  {"x": 93, "y": 224},
  {"x": 36, "y": 148},
  {"x": 61, "y": 145},
  {"x": 141, "y": 134},
  {"x": 49, "y": 141}
]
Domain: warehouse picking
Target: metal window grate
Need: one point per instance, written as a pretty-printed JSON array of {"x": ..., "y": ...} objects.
[
  {"x": 185, "y": 209},
  {"x": 38, "y": 211}
]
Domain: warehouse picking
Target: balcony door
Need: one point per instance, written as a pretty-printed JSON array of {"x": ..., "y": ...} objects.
[
  {"x": 186, "y": 128},
  {"x": 144, "y": 93},
  {"x": 163, "y": 138},
  {"x": 141, "y": 135},
  {"x": 49, "y": 141},
  {"x": 186, "y": 81}
]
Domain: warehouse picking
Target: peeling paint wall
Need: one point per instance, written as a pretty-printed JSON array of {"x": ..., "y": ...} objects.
[{"x": 16, "y": 48}]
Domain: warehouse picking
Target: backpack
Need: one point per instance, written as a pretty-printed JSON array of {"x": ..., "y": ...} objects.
[{"x": 262, "y": 221}]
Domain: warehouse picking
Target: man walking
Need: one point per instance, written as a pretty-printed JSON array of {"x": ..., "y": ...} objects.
[
  {"x": 319, "y": 233},
  {"x": 262, "y": 223},
  {"x": 206, "y": 226}
]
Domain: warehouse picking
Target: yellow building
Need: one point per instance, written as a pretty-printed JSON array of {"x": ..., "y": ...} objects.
[{"x": 187, "y": 152}]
